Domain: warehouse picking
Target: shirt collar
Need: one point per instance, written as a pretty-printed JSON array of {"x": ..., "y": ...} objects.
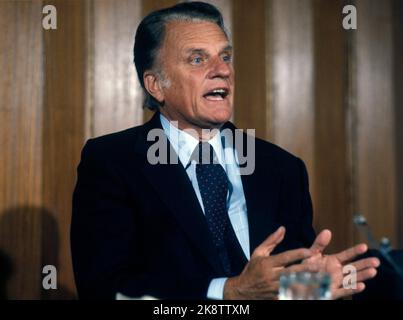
[{"x": 184, "y": 144}]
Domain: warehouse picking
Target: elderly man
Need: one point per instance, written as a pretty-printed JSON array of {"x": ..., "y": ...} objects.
[{"x": 197, "y": 227}]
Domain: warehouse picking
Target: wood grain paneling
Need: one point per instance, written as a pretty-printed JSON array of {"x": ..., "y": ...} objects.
[
  {"x": 398, "y": 109},
  {"x": 63, "y": 131},
  {"x": 21, "y": 84},
  {"x": 291, "y": 58},
  {"x": 152, "y": 5},
  {"x": 225, "y": 7},
  {"x": 333, "y": 209},
  {"x": 249, "y": 30},
  {"x": 115, "y": 97},
  {"x": 292, "y": 61},
  {"x": 376, "y": 162}
]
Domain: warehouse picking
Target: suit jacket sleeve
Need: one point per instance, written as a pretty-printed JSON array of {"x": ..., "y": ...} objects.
[
  {"x": 307, "y": 231},
  {"x": 108, "y": 256}
]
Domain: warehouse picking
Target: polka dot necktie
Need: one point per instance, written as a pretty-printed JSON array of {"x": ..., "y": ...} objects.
[{"x": 213, "y": 185}]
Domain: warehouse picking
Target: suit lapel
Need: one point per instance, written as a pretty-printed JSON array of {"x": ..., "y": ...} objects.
[
  {"x": 261, "y": 194},
  {"x": 259, "y": 203},
  {"x": 173, "y": 186}
]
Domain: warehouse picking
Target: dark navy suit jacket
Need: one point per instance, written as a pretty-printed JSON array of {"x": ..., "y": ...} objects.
[{"x": 138, "y": 228}]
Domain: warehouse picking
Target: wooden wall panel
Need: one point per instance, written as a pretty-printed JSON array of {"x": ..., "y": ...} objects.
[
  {"x": 397, "y": 10},
  {"x": 151, "y": 5},
  {"x": 225, "y": 6},
  {"x": 63, "y": 133},
  {"x": 292, "y": 91},
  {"x": 333, "y": 207},
  {"x": 249, "y": 35},
  {"x": 21, "y": 83},
  {"x": 292, "y": 79},
  {"x": 114, "y": 93},
  {"x": 376, "y": 162}
]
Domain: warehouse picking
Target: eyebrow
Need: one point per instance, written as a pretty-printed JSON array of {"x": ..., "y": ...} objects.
[{"x": 203, "y": 51}]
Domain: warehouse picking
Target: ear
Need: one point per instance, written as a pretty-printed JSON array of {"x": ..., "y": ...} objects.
[{"x": 153, "y": 86}]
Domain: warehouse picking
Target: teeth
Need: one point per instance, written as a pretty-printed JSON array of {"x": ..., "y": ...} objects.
[
  {"x": 219, "y": 91},
  {"x": 216, "y": 94}
]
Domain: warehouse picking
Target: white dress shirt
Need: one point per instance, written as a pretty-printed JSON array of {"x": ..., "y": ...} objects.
[{"x": 184, "y": 144}]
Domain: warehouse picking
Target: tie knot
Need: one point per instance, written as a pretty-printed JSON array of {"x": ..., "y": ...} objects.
[{"x": 204, "y": 153}]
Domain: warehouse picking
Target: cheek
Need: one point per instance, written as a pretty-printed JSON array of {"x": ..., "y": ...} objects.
[
  {"x": 174, "y": 91},
  {"x": 186, "y": 88},
  {"x": 193, "y": 88}
]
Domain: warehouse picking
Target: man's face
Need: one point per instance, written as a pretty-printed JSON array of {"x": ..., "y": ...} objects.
[{"x": 196, "y": 59}]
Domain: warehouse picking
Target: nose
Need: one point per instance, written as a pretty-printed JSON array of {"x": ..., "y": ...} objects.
[{"x": 220, "y": 69}]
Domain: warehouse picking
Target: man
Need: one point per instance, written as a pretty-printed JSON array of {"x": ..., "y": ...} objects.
[{"x": 194, "y": 228}]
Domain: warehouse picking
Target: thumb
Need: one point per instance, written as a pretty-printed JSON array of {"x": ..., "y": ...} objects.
[
  {"x": 268, "y": 245},
  {"x": 321, "y": 241}
]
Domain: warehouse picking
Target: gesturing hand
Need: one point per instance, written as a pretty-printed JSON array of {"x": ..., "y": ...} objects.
[
  {"x": 334, "y": 264},
  {"x": 260, "y": 277}
]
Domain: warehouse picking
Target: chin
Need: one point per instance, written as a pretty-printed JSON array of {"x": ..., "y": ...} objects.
[{"x": 219, "y": 117}]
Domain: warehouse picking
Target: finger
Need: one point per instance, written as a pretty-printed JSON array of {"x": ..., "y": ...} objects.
[
  {"x": 351, "y": 253},
  {"x": 308, "y": 267},
  {"x": 342, "y": 292},
  {"x": 268, "y": 245},
  {"x": 366, "y": 274},
  {"x": 321, "y": 241},
  {"x": 357, "y": 285},
  {"x": 288, "y": 257},
  {"x": 366, "y": 263}
]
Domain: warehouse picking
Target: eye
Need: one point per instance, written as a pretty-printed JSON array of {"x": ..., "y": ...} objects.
[
  {"x": 196, "y": 60},
  {"x": 227, "y": 58}
]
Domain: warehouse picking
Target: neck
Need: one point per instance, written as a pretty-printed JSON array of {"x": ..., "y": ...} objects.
[{"x": 200, "y": 133}]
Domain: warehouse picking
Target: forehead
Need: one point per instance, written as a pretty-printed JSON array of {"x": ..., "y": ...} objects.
[{"x": 183, "y": 35}]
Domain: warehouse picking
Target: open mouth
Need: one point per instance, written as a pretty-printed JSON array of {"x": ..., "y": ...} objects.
[{"x": 217, "y": 94}]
